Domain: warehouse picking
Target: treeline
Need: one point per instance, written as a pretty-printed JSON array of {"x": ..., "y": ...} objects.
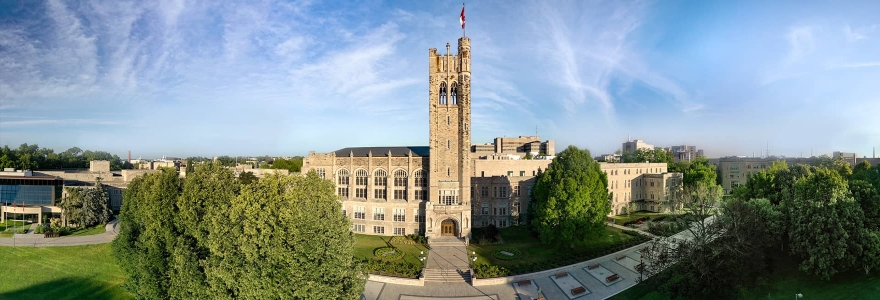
[
  {"x": 294, "y": 164},
  {"x": 32, "y": 157},
  {"x": 210, "y": 236},
  {"x": 824, "y": 217}
]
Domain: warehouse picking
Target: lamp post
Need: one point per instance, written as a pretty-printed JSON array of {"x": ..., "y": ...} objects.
[{"x": 798, "y": 296}]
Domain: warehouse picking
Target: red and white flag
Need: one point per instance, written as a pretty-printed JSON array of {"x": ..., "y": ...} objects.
[{"x": 461, "y": 18}]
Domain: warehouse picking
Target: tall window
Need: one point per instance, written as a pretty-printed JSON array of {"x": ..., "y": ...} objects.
[
  {"x": 360, "y": 177},
  {"x": 357, "y": 227},
  {"x": 399, "y": 231},
  {"x": 342, "y": 191},
  {"x": 321, "y": 172},
  {"x": 360, "y": 192},
  {"x": 448, "y": 197},
  {"x": 400, "y": 178},
  {"x": 421, "y": 178},
  {"x": 484, "y": 209},
  {"x": 342, "y": 177},
  {"x": 453, "y": 93},
  {"x": 379, "y": 229},
  {"x": 484, "y": 191},
  {"x": 515, "y": 190},
  {"x": 443, "y": 93},
  {"x": 419, "y": 215},
  {"x": 421, "y": 194},
  {"x": 380, "y": 193},
  {"x": 380, "y": 178},
  {"x": 399, "y": 215},
  {"x": 503, "y": 191},
  {"x": 379, "y": 213},
  {"x": 359, "y": 212}
]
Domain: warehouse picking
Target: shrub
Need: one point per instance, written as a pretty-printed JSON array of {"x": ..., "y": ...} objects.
[
  {"x": 489, "y": 271},
  {"x": 388, "y": 254},
  {"x": 40, "y": 229},
  {"x": 516, "y": 254},
  {"x": 491, "y": 233},
  {"x": 397, "y": 269},
  {"x": 402, "y": 240}
]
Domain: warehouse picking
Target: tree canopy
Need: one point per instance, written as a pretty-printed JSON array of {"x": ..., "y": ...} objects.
[
  {"x": 86, "y": 206},
  {"x": 570, "y": 199},
  {"x": 32, "y": 157},
  {"x": 210, "y": 236},
  {"x": 656, "y": 155}
]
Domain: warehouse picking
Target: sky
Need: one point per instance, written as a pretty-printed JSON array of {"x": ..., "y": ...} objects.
[{"x": 204, "y": 78}]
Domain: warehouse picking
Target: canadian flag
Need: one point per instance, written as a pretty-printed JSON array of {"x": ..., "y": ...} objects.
[{"x": 461, "y": 18}]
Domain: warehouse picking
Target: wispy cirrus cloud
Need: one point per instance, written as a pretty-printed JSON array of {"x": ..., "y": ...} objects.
[{"x": 64, "y": 122}]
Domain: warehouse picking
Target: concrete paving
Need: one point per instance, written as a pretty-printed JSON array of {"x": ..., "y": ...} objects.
[{"x": 37, "y": 240}]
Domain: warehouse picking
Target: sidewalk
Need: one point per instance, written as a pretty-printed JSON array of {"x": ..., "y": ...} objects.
[{"x": 37, "y": 240}]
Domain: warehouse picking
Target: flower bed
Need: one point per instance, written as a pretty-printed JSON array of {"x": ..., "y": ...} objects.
[
  {"x": 503, "y": 254},
  {"x": 402, "y": 269},
  {"x": 388, "y": 254}
]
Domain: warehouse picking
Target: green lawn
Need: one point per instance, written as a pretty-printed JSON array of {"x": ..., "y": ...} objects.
[
  {"x": 620, "y": 219},
  {"x": 784, "y": 283},
  {"x": 97, "y": 229},
  {"x": 533, "y": 251},
  {"x": 77, "y": 272},
  {"x": 364, "y": 245},
  {"x": 11, "y": 224}
]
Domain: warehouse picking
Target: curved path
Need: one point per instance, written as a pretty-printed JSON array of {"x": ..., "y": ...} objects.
[{"x": 37, "y": 240}]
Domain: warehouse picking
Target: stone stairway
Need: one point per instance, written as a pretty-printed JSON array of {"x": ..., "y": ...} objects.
[
  {"x": 446, "y": 276},
  {"x": 447, "y": 261}
]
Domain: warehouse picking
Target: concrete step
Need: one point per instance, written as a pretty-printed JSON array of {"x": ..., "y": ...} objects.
[
  {"x": 446, "y": 275},
  {"x": 445, "y": 241}
]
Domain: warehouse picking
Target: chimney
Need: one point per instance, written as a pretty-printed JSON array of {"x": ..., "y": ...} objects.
[{"x": 129, "y": 156}]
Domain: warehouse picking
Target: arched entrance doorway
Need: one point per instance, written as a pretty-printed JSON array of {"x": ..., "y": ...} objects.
[{"x": 447, "y": 228}]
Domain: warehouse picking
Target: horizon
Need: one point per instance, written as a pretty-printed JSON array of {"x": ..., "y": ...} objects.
[{"x": 283, "y": 79}]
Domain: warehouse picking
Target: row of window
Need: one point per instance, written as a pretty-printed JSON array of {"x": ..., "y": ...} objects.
[
  {"x": 380, "y": 229},
  {"x": 380, "y": 177},
  {"x": 635, "y": 171},
  {"x": 398, "y": 215},
  {"x": 501, "y": 191},
  {"x": 498, "y": 210},
  {"x": 361, "y": 193},
  {"x": 510, "y": 173}
]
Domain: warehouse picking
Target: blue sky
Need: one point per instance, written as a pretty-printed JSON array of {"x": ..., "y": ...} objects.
[{"x": 186, "y": 78}]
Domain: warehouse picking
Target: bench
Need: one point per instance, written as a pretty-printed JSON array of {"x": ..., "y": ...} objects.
[
  {"x": 51, "y": 234},
  {"x": 612, "y": 278},
  {"x": 621, "y": 257},
  {"x": 578, "y": 290},
  {"x": 561, "y": 275},
  {"x": 593, "y": 266},
  {"x": 524, "y": 282}
]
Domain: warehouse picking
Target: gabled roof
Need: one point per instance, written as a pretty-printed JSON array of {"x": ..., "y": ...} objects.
[{"x": 403, "y": 151}]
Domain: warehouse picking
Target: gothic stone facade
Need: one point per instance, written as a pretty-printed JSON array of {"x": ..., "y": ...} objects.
[{"x": 443, "y": 189}]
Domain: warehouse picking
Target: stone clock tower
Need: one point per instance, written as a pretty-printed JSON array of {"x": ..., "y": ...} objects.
[{"x": 448, "y": 210}]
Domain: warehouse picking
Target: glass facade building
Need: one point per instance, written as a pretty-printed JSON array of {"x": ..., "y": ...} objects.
[{"x": 30, "y": 191}]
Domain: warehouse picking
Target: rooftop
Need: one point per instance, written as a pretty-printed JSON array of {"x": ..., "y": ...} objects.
[{"x": 423, "y": 151}]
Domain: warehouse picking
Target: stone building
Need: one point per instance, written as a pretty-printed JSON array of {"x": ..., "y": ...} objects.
[
  {"x": 519, "y": 146},
  {"x": 451, "y": 185}
]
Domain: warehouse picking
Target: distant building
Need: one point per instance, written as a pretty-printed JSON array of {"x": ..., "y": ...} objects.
[
  {"x": 684, "y": 152},
  {"x": 632, "y": 146},
  {"x": 608, "y": 158},
  {"x": 519, "y": 146},
  {"x": 40, "y": 191},
  {"x": 848, "y": 157}
]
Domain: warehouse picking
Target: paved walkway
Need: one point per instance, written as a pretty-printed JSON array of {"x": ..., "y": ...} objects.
[
  {"x": 592, "y": 275},
  {"x": 37, "y": 240}
]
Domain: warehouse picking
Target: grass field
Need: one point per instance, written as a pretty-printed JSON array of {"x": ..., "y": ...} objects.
[
  {"x": 364, "y": 246},
  {"x": 519, "y": 237},
  {"x": 97, "y": 229},
  {"x": 784, "y": 283},
  {"x": 77, "y": 272},
  {"x": 11, "y": 225}
]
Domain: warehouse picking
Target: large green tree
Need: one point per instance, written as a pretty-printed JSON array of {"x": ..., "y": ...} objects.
[
  {"x": 147, "y": 233},
  {"x": 700, "y": 172},
  {"x": 570, "y": 199},
  {"x": 825, "y": 223},
  {"x": 86, "y": 207},
  {"x": 216, "y": 238}
]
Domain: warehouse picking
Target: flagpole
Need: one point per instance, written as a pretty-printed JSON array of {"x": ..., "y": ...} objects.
[{"x": 463, "y": 25}]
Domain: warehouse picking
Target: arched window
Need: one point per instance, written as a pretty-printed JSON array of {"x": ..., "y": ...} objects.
[
  {"x": 342, "y": 177},
  {"x": 421, "y": 178},
  {"x": 400, "y": 178},
  {"x": 380, "y": 178},
  {"x": 400, "y": 185},
  {"x": 453, "y": 93},
  {"x": 360, "y": 177},
  {"x": 443, "y": 93}
]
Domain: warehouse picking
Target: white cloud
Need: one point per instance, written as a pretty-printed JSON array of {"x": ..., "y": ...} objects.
[{"x": 801, "y": 43}]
